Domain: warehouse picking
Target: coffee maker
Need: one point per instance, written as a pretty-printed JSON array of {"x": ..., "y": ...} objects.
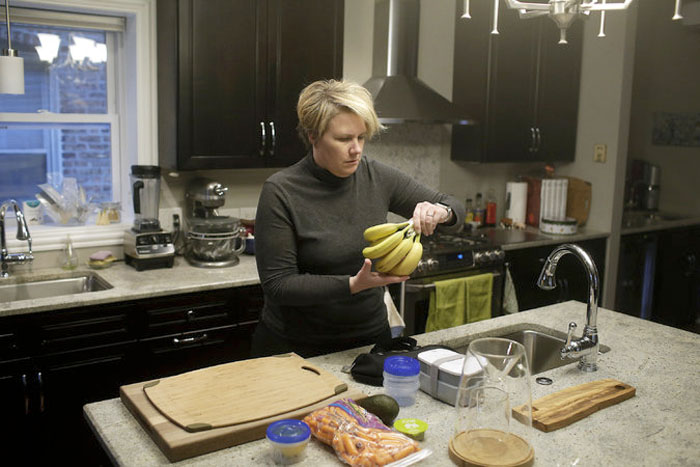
[
  {"x": 213, "y": 241},
  {"x": 146, "y": 245}
]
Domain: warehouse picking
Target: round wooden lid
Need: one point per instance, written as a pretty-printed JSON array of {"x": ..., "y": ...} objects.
[{"x": 490, "y": 448}]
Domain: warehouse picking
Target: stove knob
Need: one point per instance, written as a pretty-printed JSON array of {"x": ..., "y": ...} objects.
[
  {"x": 478, "y": 257},
  {"x": 501, "y": 254},
  {"x": 421, "y": 266},
  {"x": 492, "y": 255},
  {"x": 432, "y": 264}
]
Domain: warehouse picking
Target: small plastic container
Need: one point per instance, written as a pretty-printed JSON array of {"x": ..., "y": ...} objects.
[
  {"x": 288, "y": 439},
  {"x": 401, "y": 379},
  {"x": 412, "y": 427}
]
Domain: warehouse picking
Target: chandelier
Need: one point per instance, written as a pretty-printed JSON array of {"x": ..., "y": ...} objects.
[{"x": 564, "y": 12}]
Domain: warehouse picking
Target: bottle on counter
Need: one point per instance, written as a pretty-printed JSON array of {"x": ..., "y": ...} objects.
[
  {"x": 479, "y": 211},
  {"x": 490, "y": 219},
  {"x": 68, "y": 258},
  {"x": 468, "y": 211}
]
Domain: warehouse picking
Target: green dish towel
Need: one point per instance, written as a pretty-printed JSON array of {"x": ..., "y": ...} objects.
[{"x": 459, "y": 301}]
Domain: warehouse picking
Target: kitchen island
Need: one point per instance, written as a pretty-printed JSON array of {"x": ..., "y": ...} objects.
[{"x": 659, "y": 426}]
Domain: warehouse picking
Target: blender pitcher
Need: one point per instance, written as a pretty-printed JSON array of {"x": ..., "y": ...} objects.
[{"x": 145, "y": 186}]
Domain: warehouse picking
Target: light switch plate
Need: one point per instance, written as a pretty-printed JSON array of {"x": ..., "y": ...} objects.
[{"x": 600, "y": 153}]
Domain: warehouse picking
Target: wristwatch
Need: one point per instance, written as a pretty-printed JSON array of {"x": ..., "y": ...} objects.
[{"x": 448, "y": 209}]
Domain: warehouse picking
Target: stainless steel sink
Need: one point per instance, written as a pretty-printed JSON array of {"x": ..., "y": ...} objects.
[
  {"x": 20, "y": 289},
  {"x": 542, "y": 346}
]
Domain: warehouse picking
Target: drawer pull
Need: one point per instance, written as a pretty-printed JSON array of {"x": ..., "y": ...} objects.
[{"x": 189, "y": 340}]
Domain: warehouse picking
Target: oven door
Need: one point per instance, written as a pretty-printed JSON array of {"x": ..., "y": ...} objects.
[{"x": 414, "y": 297}]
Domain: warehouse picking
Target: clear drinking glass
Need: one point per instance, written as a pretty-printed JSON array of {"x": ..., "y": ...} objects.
[{"x": 495, "y": 380}]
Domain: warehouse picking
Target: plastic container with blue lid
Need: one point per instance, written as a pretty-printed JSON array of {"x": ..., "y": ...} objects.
[
  {"x": 288, "y": 438},
  {"x": 401, "y": 379}
]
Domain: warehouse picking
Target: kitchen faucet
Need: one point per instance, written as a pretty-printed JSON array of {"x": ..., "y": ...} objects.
[
  {"x": 22, "y": 234},
  {"x": 587, "y": 346}
]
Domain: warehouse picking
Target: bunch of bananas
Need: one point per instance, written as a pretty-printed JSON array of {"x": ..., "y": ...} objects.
[{"x": 396, "y": 245}]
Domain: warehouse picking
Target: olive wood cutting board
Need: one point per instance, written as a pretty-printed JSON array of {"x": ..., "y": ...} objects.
[
  {"x": 177, "y": 443},
  {"x": 569, "y": 405}
]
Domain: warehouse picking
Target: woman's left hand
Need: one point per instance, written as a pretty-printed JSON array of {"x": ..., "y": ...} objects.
[
  {"x": 426, "y": 216},
  {"x": 367, "y": 279}
]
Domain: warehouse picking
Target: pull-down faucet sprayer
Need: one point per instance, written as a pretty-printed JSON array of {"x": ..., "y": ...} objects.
[
  {"x": 587, "y": 346},
  {"x": 22, "y": 234}
]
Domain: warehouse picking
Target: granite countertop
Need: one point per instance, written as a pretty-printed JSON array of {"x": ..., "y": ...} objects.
[
  {"x": 129, "y": 284},
  {"x": 530, "y": 237},
  {"x": 659, "y": 426}
]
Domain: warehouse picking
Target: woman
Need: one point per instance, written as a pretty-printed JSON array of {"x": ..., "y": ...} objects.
[{"x": 321, "y": 295}]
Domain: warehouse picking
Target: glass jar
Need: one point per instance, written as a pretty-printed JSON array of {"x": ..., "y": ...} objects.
[{"x": 110, "y": 213}]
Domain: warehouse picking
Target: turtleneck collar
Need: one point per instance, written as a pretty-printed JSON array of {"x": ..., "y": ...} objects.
[{"x": 324, "y": 175}]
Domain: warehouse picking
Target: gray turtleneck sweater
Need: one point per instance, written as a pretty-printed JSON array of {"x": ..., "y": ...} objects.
[{"x": 309, "y": 240}]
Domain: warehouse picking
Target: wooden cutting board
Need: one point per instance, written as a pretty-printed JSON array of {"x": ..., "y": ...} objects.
[
  {"x": 579, "y": 194},
  {"x": 242, "y": 391},
  {"x": 569, "y": 405},
  {"x": 178, "y": 444}
]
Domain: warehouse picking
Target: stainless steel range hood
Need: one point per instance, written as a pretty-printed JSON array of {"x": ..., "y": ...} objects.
[{"x": 399, "y": 96}]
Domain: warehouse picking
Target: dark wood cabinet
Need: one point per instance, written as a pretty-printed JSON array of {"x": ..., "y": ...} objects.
[
  {"x": 53, "y": 363},
  {"x": 572, "y": 281},
  {"x": 230, "y": 72},
  {"x": 521, "y": 85},
  {"x": 659, "y": 276}
]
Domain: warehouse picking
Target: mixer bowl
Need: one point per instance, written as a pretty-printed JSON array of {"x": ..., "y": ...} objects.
[{"x": 215, "y": 241}]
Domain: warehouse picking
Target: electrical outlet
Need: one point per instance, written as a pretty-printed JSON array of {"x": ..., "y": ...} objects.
[
  {"x": 600, "y": 153},
  {"x": 165, "y": 216}
]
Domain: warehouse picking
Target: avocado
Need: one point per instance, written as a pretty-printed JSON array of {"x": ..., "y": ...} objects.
[{"x": 383, "y": 406}]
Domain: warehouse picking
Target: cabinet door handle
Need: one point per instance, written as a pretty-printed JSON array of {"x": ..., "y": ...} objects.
[
  {"x": 263, "y": 139},
  {"x": 26, "y": 394},
  {"x": 532, "y": 140},
  {"x": 189, "y": 340},
  {"x": 40, "y": 380},
  {"x": 273, "y": 135},
  {"x": 538, "y": 139}
]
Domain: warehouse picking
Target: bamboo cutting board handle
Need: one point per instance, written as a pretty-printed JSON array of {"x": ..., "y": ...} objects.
[{"x": 569, "y": 405}]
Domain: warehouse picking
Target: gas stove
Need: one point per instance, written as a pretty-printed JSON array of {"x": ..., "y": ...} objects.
[{"x": 465, "y": 251}]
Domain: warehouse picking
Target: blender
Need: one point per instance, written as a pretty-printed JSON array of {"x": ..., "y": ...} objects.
[{"x": 146, "y": 245}]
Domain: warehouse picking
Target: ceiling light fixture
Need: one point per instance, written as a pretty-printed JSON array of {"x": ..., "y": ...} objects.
[
  {"x": 11, "y": 65},
  {"x": 564, "y": 12}
]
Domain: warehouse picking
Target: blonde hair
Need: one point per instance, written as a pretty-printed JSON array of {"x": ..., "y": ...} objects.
[{"x": 322, "y": 100}]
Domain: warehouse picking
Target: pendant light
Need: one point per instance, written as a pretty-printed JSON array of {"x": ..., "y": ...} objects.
[
  {"x": 11, "y": 65},
  {"x": 564, "y": 12}
]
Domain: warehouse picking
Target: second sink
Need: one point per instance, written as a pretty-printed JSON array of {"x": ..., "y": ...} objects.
[{"x": 69, "y": 285}]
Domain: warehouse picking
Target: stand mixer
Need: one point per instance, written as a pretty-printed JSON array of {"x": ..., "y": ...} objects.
[{"x": 211, "y": 239}]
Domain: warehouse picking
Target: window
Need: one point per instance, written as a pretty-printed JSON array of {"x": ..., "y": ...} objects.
[
  {"x": 89, "y": 106},
  {"x": 66, "y": 125}
]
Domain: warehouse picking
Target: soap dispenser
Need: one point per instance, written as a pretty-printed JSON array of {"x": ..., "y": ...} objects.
[{"x": 69, "y": 257}]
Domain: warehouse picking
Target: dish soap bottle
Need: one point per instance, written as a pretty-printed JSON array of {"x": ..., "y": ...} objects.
[{"x": 69, "y": 257}]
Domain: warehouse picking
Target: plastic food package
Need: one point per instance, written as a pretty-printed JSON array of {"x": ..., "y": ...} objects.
[{"x": 359, "y": 438}]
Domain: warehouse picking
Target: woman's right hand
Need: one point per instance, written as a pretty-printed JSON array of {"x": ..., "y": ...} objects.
[{"x": 367, "y": 279}]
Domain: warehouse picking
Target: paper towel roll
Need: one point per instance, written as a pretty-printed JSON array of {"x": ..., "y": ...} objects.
[{"x": 516, "y": 201}]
